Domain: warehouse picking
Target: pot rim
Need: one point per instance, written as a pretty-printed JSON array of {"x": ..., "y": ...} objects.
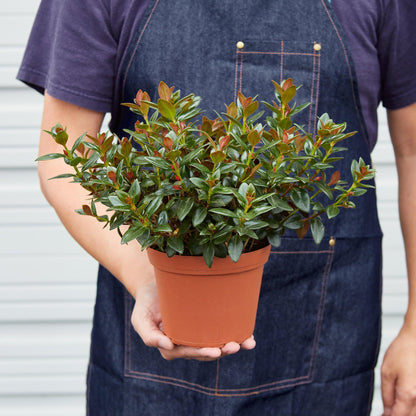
[{"x": 196, "y": 264}]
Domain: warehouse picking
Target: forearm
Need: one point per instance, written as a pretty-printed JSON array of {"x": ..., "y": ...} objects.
[
  {"x": 407, "y": 209},
  {"x": 127, "y": 262},
  {"x": 402, "y": 125}
]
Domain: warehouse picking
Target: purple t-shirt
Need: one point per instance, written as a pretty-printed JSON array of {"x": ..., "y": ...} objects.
[{"x": 76, "y": 50}]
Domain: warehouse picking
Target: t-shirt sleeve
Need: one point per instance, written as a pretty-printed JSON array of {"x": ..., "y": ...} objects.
[
  {"x": 397, "y": 53},
  {"x": 71, "y": 53}
]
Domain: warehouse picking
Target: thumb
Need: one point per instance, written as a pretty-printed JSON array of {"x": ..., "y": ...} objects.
[
  {"x": 148, "y": 328},
  {"x": 388, "y": 385}
]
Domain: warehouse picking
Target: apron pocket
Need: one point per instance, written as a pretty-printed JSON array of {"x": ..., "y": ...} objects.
[
  {"x": 262, "y": 61},
  {"x": 288, "y": 327}
]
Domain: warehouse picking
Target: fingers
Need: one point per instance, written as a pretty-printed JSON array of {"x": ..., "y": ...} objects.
[
  {"x": 405, "y": 400},
  {"x": 206, "y": 354},
  {"x": 148, "y": 325},
  {"x": 190, "y": 353},
  {"x": 249, "y": 343},
  {"x": 387, "y": 390}
]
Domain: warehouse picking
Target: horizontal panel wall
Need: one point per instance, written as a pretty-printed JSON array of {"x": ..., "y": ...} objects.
[{"x": 45, "y": 315}]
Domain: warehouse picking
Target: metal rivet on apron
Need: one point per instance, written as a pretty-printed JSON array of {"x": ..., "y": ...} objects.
[
  {"x": 317, "y": 46},
  {"x": 332, "y": 242},
  {"x": 240, "y": 45}
]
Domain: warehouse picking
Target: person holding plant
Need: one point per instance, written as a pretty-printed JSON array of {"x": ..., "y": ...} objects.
[{"x": 317, "y": 332}]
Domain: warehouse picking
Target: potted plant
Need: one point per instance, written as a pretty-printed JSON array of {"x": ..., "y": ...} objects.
[{"x": 217, "y": 194}]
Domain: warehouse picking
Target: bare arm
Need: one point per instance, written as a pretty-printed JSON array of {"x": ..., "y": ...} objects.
[
  {"x": 65, "y": 197},
  {"x": 399, "y": 365},
  {"x": 127, "y": 263}
]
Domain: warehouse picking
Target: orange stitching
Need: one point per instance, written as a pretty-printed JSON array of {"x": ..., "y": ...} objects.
[
  {"x": 320, "y": 318},
  {"x": 219, "y": 394},
  {"x": 277, "y": 53},
  {"x": 241, "y": 73},
  {"x": 135, "y": 48},
  {"x": 139, "y": 374},
  {"x": 236, "y": 75},
  {"x": 350, "y": 73},
  {"x": 281, "y": 62},
  {"x": 317, "y": 93},
  {"x": 312, "y": 89}
]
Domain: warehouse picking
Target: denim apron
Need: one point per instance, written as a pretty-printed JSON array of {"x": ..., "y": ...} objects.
[{"x": 318, "y": 323}]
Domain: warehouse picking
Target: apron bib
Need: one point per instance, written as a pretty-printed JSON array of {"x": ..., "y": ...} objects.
[{"x": 318, "y": 323}]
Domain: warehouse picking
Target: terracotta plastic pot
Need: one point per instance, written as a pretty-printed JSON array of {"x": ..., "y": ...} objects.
[{"x": 208, "y": 307}]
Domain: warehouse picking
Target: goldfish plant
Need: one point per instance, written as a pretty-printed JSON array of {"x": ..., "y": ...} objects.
[{"x": 185, "y": 184}]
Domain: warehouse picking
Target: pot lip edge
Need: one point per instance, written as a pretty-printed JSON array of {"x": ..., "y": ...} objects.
[{"x": 217, "y": 267}]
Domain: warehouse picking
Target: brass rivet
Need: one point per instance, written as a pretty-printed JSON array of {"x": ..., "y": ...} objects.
[
  {"x": 317, "y": 47},
  {"x": 240, "y": 45},
  {"x": 332, "y": 242}
]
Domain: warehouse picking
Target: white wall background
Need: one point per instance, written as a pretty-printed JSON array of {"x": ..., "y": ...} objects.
[{"x": 45, "y": 314}]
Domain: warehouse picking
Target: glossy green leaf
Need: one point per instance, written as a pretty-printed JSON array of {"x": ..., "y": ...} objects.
[
  {"x": 332, "y": 211},
  {"x": 223, "y": 211},
  {"x": 235, "y": 247},
  {"x": 176, "y": 244},
  {"x": 132, "y": 233},
  {"x": 208, "y": 252},
  {"x": 184, "y": 207},
  {"x": 300, "y": 198},
  {"x": 274, "y": 238},
  {"x": 317, "y": 229},
  {"x": 199, "y": 215}
]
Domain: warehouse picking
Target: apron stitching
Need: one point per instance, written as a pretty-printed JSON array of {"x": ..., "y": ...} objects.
[
  {"x": 157, "y": 378},
  {"x": 281, "y": 61},
  {"x": 321, "y": 312},
  {"x": 312, "y": 91},
  {"x": 236, "y": 74},
  {"x": 241, "y": 72},
  {"x": 317, "y": 92},
  {"x": 350, "y": 74},
  {"x": 135, "y": 48},
  {"x": 213, "y": 393},
  {"x": 276, "y": 53}
]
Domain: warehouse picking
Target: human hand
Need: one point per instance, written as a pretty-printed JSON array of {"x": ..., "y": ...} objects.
[
  {"x": 147, "y": 320},
  {"x": 398, "y": 375}
]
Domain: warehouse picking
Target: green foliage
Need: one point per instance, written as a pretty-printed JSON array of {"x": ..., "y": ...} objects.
[{"x": 227, "y": 186}]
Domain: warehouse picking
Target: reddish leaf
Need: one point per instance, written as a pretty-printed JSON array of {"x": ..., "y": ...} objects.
[
  {"x": 87, "y": 210},
  {"x": 224, "y": 141},
  {"x": 245, "y": 102},
  {"x": 334, "y": 178},
  {"x": 300, "y": 142},
  {"x": 278, "y": 87},
  {"x": 287, "y": 84},
  {"x": 301, "y": 232},
  {"x": 112, "y": 176},
  {"x": 164, "y": 91},
  {"x": 168, "y": 142}
]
